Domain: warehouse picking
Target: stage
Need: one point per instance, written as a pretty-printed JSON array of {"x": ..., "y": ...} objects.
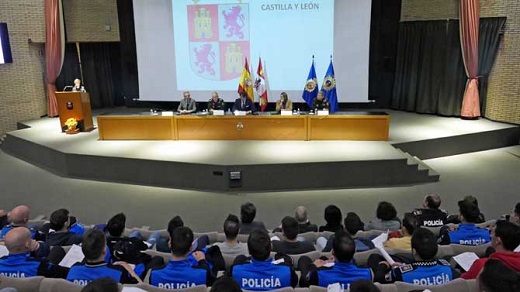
[{"x": 228, "y": 166}]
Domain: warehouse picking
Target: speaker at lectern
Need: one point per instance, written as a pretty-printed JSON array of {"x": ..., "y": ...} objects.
[{"x": 75, "y": 105}]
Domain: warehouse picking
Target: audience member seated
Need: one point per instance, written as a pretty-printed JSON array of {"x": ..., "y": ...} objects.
[
  {"x": 340, "y": 269},
  {"x": 290, "y": 243},
  {"x": 94, "y": 267},
  {"x": 304, "y": 224},
  {"x": 3, "y": 218},
  {"x": 19, "y": 263},
  {"x": 129, "y": 249},
  {"x": 259, "y": 272},
  {"x": 386, "y": 218},
  {"x": 498, "y": 277},
  {"x": 467, "y": 233},
  {"x": 59, "y": 233},
  {"x": 455, "y": 219},
  {"x": 505, "y": 237},
  {"x": 353, "y": 224},
  {"x": 363, "y": 286},
  {"x": 180, "y": 272},
  {"x": 18, "y": 217},
  {"x": 425, "y": 270},
  {"x": 162, "y": 242},
  {"x": 101, "y": 285},
  {"x": 405, "y": 242},
  {"x": 225, "y": 284},
  {"x": 247, "y": 215},
  {"x": 430, "y": 215},
  {"x": 231, "y": 247},
  {"x": 515, "y": 215},
  {"x": 332, "y": 216},
  {"x": 213, "y": 256},
  {"x": 76, "y": 227}
]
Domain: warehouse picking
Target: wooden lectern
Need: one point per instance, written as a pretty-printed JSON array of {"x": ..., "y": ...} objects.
[{"x": 75, "y": 105}]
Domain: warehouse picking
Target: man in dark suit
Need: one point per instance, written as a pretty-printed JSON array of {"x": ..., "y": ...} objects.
[{"x": 244, "y": 104}]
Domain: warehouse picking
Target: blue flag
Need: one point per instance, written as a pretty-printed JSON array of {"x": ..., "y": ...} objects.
[
  {"x": 310, "y": 91},
  {"x": 329, "y": 88}
]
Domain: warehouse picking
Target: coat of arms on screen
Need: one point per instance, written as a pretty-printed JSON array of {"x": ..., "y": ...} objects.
[{"x": 219, "y": 39}]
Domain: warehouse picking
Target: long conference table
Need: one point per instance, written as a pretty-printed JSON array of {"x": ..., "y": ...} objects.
[{"x": 360, "y": 126}]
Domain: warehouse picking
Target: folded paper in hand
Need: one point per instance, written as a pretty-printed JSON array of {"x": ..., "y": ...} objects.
[{"x": 378, "y": 243}]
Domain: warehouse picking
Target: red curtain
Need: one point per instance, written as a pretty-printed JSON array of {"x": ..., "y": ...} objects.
[
  {"x": 53, "y": 52},
  {"x": 469, "y": 26}
]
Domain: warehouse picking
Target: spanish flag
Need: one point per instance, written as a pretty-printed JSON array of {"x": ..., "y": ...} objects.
[{"x": 246, "y": 84}]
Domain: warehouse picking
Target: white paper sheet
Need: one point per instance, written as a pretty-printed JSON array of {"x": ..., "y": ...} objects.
[
  {"x": 3, "y": 251},
  {"x": 336, "y": 287},
  {"x": 466, "y": 259},
  {"x": 132, "y": 289},
  {"x": 74, "y": 255}
]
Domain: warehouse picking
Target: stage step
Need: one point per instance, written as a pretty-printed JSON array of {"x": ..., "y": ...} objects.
[
  {"x": 421, "y": 165},
  {"x": 396, "y": 169},
  {"x": 460, "y": 144}
]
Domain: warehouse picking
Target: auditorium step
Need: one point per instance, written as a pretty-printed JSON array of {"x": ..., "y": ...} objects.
[
  {"x": 390, "y": 168},
  {"x": 460, "y": 144},
  {"x": 421, "y": 166},
  {"x": 256, "y": 166}
]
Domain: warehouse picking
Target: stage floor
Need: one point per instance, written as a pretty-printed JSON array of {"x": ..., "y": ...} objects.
[
  {"x": 43, "y": 143},
  {"x": 404, "y": 127}
]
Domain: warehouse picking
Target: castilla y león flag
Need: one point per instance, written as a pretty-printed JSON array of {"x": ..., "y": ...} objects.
[{"x": 260, "y": 86}]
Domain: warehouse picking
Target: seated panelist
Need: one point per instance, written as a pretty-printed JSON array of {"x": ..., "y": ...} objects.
[
  {"x": 320, "y": 102},
  {"x": 244, "y": 104},
  {"x": 216, "y": 103},
  {"x": 284, "y": 103},
  {"x": 187, "y": 105},
  {"x": 78, "y": 86}
]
